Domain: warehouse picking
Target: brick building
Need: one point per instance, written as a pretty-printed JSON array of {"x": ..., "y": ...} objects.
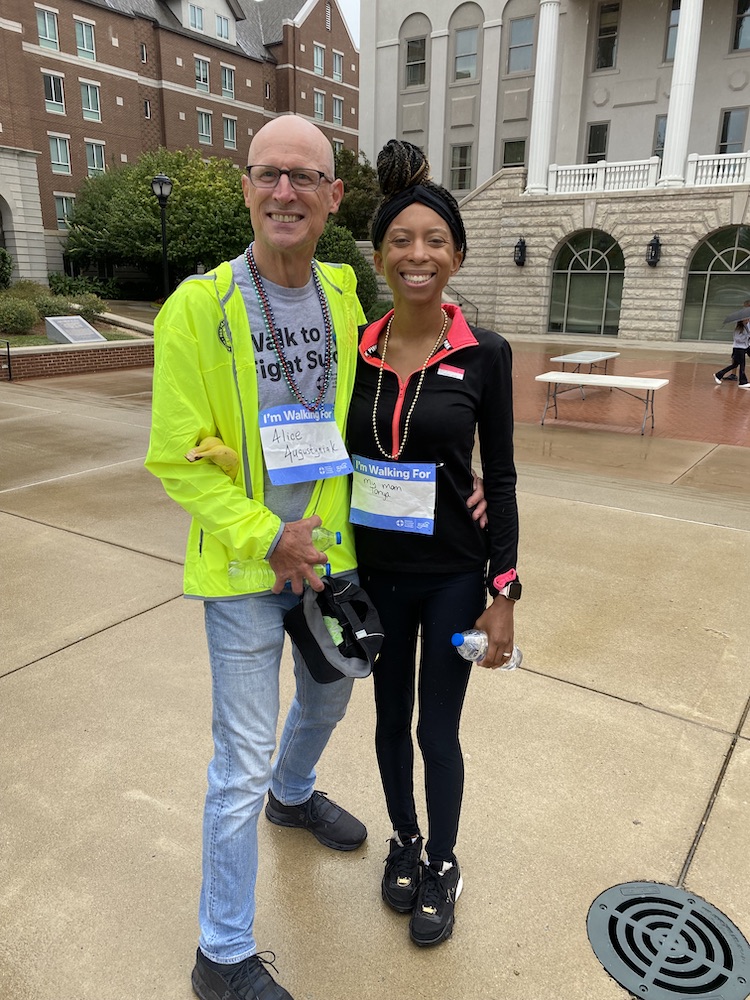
[{"x": 86, "y": 85}]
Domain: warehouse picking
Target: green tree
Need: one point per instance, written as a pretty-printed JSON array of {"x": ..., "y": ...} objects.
[
  {"x": 6, "y": 267},
  {"x": 117, "y": 218},
  {"x": 361, "y": 193},
  {"x": 337, "y": 245}
]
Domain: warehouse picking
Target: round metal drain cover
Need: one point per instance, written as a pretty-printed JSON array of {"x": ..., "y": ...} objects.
[{"x": 663, "y": 943}]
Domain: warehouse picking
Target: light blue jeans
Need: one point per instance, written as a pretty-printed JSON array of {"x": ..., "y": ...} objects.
[{"x": 245, "y": 641}]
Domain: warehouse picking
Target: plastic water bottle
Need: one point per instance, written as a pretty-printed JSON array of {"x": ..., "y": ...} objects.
[
  {"x": 322, "y": 539},
  {"x": 473, "y": 643}
]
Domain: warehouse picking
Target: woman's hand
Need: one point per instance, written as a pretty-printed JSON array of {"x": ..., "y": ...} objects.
[
  {"x": 497, "y": 622},
  {"x": 476, "y": 502}
]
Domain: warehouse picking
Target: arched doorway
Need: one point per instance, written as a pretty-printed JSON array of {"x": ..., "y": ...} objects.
[
  {"x": 718, "y": 283},
  {"x": 587, "y": 282}
]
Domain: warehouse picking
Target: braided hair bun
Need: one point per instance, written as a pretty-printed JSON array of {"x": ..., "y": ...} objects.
[{"x": 401, "y": 165}]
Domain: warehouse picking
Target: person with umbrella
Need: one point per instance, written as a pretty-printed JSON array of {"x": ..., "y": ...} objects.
[{"x": 740, "y": 346}]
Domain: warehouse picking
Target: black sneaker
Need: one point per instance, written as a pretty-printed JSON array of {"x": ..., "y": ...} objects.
[
  {"x": 731, "y": 378},
  {"x": 401, "y": 877},
  {"x": 326, "y": 821},
  {"x": 432, "y": 919},
  {"x": 246, "y": 980}
]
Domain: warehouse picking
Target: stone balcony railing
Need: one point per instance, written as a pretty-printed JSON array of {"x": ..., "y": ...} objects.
[{"x": 702, "y": 171}]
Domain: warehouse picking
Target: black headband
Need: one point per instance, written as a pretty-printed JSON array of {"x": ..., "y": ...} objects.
[{"x": 426, "y": 196}]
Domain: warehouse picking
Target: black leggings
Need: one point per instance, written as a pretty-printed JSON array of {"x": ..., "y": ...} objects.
[
  {"x": 738, "y": 361},
  {"x": 438, "y": 604}
]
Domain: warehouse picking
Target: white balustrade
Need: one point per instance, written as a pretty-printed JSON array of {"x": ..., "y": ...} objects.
[
  {"x": 603, "y": 176},
  {"x": 723, "y": 168}
]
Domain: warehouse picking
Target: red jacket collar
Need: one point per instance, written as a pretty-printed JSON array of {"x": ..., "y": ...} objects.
[{"x": 459, "y": 334}]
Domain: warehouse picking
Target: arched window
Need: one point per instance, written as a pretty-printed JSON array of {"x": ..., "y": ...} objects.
[
  {"x": 587, "y": 285},
  {"x": 718, "y": 284}
]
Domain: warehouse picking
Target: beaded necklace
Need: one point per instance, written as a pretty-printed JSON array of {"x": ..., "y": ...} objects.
[
  {"x": 438, "y": 342},
  {"x": 287, "y": 369}
]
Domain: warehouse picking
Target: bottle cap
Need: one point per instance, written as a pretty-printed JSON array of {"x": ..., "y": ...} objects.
[
  {"x": 457, "y": 639},
  {"x": 338, "y": 538}
]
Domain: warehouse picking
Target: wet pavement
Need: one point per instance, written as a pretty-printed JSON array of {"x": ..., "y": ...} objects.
[{"x": 619, "y": 752}]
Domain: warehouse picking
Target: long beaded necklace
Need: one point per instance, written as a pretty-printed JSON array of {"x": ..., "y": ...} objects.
[
  {"x": 287, "y": 369},
  {"x": 438, "y": 342}
]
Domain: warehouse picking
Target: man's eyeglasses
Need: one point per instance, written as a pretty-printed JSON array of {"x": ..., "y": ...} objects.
[{"x": 301, "y": 178}]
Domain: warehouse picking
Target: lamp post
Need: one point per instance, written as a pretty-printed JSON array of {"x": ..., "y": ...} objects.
[{"x": 161, "y": 185}]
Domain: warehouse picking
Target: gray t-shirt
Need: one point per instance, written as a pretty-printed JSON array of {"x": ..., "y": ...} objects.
[{"x": 298, "y": 318}]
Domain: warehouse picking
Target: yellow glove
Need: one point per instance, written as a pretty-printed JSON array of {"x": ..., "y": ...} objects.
[{"x": 216, "y": 451}]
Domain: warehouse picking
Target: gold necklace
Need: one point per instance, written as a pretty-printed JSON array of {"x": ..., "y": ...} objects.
[{"x": 438, "y": 342}]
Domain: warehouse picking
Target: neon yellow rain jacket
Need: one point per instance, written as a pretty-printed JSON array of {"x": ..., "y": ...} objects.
[{"x": 205, "y": 385}]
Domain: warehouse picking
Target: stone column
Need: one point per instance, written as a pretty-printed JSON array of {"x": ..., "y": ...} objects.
[
  {"x": 540, "y": 139},
  {"x": 488, "y": 109},
  {"x": 680, "y": 109},
  {"x": 437, "y": 131}
]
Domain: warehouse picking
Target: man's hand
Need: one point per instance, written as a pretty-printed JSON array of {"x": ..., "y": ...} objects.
[
  {"x": 295, "y": 555},
  {"x": 477, "y": 502}
]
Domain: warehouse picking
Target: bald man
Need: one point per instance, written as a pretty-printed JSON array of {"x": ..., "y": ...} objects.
[{"x": 261, "y": 353}]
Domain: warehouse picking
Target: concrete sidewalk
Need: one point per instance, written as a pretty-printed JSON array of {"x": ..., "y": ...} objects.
[{"x": 599, "y": 762}]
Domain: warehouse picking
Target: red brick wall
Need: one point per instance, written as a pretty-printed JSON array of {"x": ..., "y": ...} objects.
[{"x": 44, "y": 362}]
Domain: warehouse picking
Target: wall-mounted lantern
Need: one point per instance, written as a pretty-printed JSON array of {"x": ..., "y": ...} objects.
[
  {"x": 519, "y": 252},
  {"x": 653, "y": 251}
]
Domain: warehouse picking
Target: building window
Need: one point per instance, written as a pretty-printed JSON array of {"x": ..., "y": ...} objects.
[
  {"x": 204, "y": 128},
  {"x": 674, "y": 20},
  {"x": 338, "y": 67},
  {"x": 338, "y": 147},
  {"x": 227, "y": 82},
  {"x": 201, "y": 74},
  {"x": 222, "y": 27},
  {"x": 521, "y": 45},
  {"x": 54, "y": 97},
  {"x": 85, "y": 40},
  {"x": 195, "y": 17},
  {"x": 596, "y": 148},
  {"x": 733, "y": 129},
  {"x": 230, "y": 133},
  {"x": 59, "y": 152},
  {"x": 63, "y": 209},
  {"x": 416, "y": 62},
  {"x": 147, "y": 109},
  {"x": 719, "y": 273},
  {"x": 461, "y": 168},
  {"x": 606, "y": 42},
  {"x": 46, "y": 22},
  {"x": 587, "y": 283},
  {"x": 742, "y": 26},
  {"x": 338, "y": 111},
  {"x": 144, "y": 53},
  {"x": 514, "y": 153},
  {"x": 267, "y": 91},
  {"x": 659, "y": 135},
  {"x": 328, "y": 17},
  {"x": 319, "y": 59},
  {"x": 465, "y": 67},
  {"x": 95, "y": 158},
  {"x": 320, "y": 105},
  {"x": 90, "y": 102}
]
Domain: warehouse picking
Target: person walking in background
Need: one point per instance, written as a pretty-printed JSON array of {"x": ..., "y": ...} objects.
[
  {"x": 740, "y": 348},
  {"x": 425, "y": 382},
  {"x": 272, "y": 331}
]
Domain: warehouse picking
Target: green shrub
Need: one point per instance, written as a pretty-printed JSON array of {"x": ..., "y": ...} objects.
[
  {"x": 88, "y": 307},
  {"x": 6, "y": 266},
  {"x": 16, "y": 315},
  {"x": 52, "y": 305},
  {"x": 378, "y": 309},
  {"x": 105, "y": 288},
  {"x": 338, "y": 246},
  {"x": 26, "y": 289}
]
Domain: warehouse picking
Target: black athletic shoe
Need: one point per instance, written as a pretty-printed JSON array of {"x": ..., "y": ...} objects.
[
  {"x": 402, "y": 873},
  {"x": 326, "y": 821},
  {"x": 731, "y": 378},
  {"x": 246, "y": 980},
  {"x": 432, "y": 919}
]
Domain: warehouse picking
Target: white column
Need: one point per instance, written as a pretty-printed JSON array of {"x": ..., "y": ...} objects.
[
  {"x": 540, "y": 138},
  {"x": 438, "y": 133},
  {"x": 488, "y": 109},
  {"x": 680, "y": 109}
]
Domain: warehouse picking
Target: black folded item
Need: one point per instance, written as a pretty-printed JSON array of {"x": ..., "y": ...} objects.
[{"x": 337, "y": 630}]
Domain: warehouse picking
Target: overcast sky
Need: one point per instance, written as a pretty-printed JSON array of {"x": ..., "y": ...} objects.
[{"x": 350, "y": 10}]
